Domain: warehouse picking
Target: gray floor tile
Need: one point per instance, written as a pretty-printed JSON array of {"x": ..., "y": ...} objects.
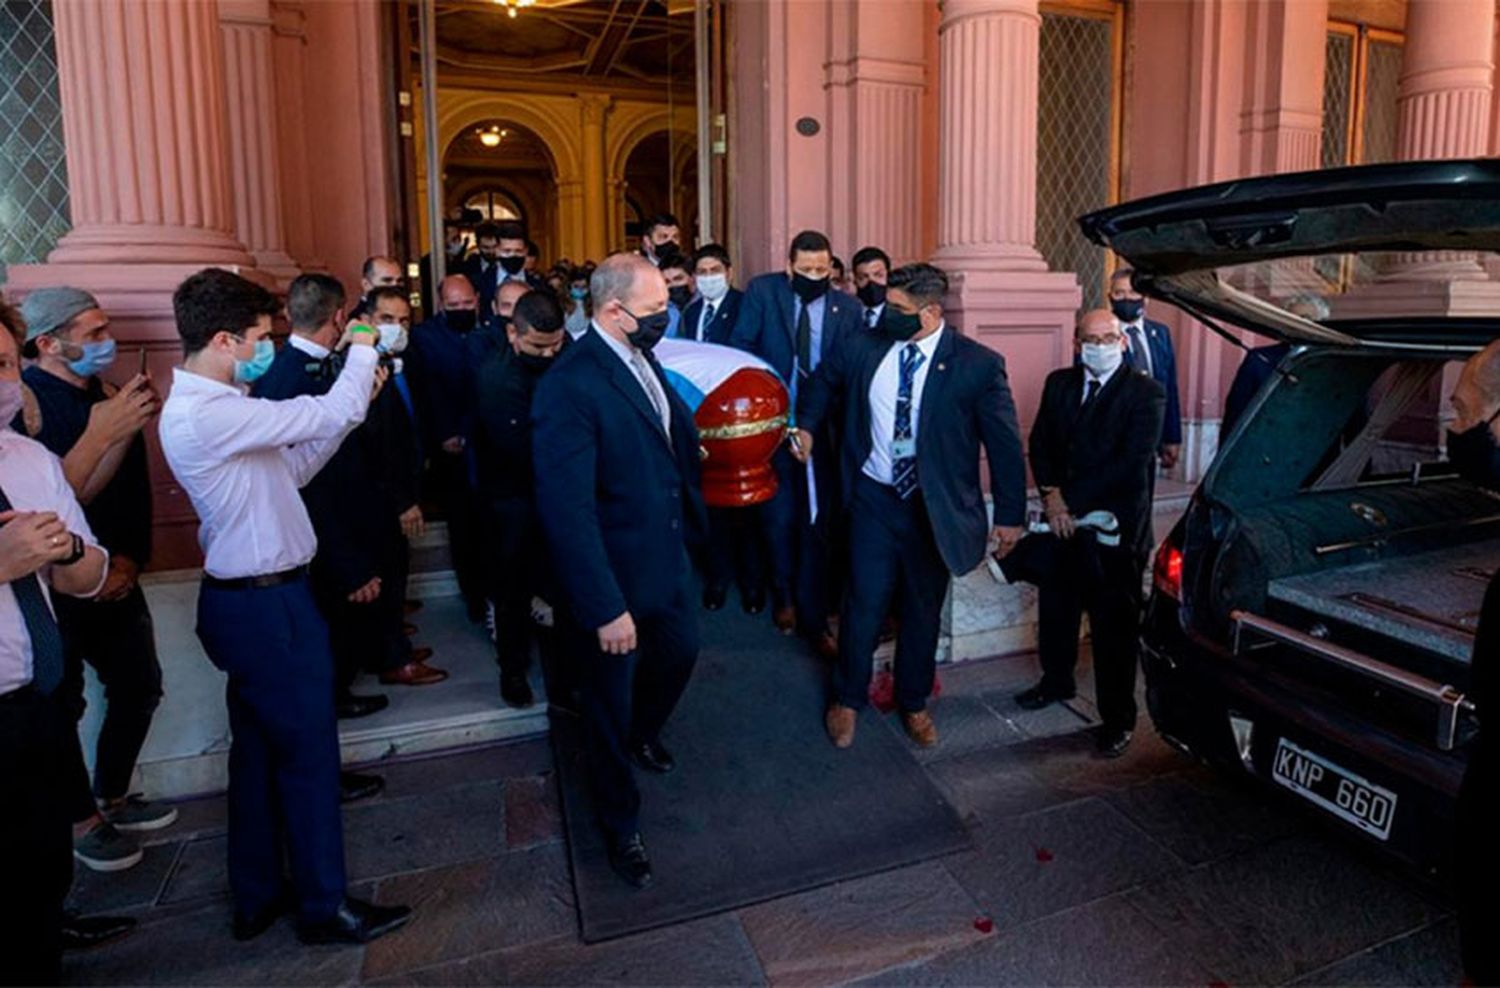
[
  {"x": 478, "y": 907},
  {"x": 1430, "y": 956},
  {"x": 1283, "y": 910},
  {"x": 201, "y": 872},
  {"x": 1202, "y": 821},
  {"x": 992, "y": 785},
  {"x": 419, "y": 776},
  {"x": 1008, "y": 673},
  {"x": 1058, "y": 718},
  {"x": 137, "y": 888},
  {"x": 853, "y": 929},
  {"x": 389, "y": 836},
  {"x": 1028, "y": 867},
  {"x": 203, "y": 817},
  {"x": 1068, "y": 762},
  {"x": 711, "y": 951},
  {"x": 533, "y": 813},
  {"x": 964, "y": 724},
  {"x": 1103, "y": 943}
]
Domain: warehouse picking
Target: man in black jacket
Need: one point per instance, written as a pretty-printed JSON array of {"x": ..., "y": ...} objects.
[
  {"x": 1093, "y": 448},
  {"x": 514, "y": 552},
  {"x": 617, "y": 487},
  {"x": 920, "y": 403}
]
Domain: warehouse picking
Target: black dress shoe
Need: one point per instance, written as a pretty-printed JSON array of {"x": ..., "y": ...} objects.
[
  {"x": 351, "y": 705},
  {"x": 355, "y": 922},
  {"x": 627, "y": 856},
  {"x": 714, "y": 597},
  {"x": 1111, "y": 742},
  {"x": 753, "y": 601},
  {"x": 82, "y": 932},
  {"x": 516, "y": 691},
  {"x": 1039, "y": 696},
  {"x": 651, "y": 756},
  {"x": 354, "y": 785}
]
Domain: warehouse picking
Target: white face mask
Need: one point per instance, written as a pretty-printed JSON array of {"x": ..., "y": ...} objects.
[
  {"x": 713, "y": 286},
  {"x": 392, "y": 337},
  {"x": 1101, "y": 358}
]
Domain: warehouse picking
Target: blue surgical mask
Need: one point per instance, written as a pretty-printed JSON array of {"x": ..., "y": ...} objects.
[
  {"x": 96, "y": 357},
  {"x": 247, "y": 371},
  {"x": 578, "y": 294}
]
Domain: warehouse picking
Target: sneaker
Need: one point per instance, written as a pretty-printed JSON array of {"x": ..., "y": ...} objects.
[
  {"x": 137, "y": 814},
  {"x": 106, "y": 849}
]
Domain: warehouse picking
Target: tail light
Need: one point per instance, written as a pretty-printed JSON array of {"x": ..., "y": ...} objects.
[{"x": 1166, "y": 573}]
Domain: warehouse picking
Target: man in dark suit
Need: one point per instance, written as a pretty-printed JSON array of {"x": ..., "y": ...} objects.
[
  {"x": 501, "y": 257},
  {"x": 793, "y": 321},
  {"x": 617, "y": 487},
  {"x": 920, "y": 403},
  {"x": 514, "y": 553},
  {"x": 872, "y": 269},
  {"x": 1149, "y": 350},
  {"x": 1093, "y": 448},
  {"x": 736, "y": 549}
]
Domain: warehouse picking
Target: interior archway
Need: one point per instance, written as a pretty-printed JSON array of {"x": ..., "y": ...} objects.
[
  {"x": 660, "y": 174},
  {"x": 504, "y": 170}
]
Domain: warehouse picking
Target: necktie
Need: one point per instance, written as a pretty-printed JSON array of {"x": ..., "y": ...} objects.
[
  {"x": 871, "y": 318},
  {"x": 804, "y": 340},
  {"x": 708, "y": 320},
  {"x": 1090, "y": 390},
  {"x": 904, "y": 468},
  {"x": 648, "y": 381},
  {"x": 1140, "y": 356},
  {"x": 41, "y": 626}
]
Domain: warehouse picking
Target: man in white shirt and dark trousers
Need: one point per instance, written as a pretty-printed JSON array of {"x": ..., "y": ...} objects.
[
  {"x": 45, "y": 545},
  {"x": 919, "y": 404},
  {"x": 241, "y": 461}
]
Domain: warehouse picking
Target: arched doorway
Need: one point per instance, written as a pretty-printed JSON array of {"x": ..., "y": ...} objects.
[
  {"x": 500, "y": 170},
  {"x": 660, "y": 175}
]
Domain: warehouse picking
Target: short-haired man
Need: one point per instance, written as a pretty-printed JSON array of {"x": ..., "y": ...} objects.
[
  {"x": 920, "y": 405},
  {"x": 378, "y": 271},
  {"x": 872, "y": 269},
  {"x": 677, "y": 269},
  {"x": 501, "y": 257},
  {"x": 1093, "y": 448},
  {"x": 514, "y": 552},
  {"x": 794, "y": 321},
  {"x": 710, "y": 318},
  {"x": 241, "y": 461},
  {"x": 617, "y": 488},
  {"x": 1149, "y": 349},
  {"x": 840, "y": 278},
  {"x": 69, "y": 337},
  {"x": 46, "y": 551},
  {"x": 658, "y": 231}
]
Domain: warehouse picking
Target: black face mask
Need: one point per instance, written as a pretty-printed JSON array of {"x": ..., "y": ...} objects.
[
  {"x": 1475, "y": 454},
  {"x": 809, "y": 289},
  {"x": 534, "y": 363},
  {"x": 648, "y": 329},
  {"x": 680, "y": 295},
  {"x": 899, "y": 325},
  {"x": 512, "y": 263},
  {"x": 461, "y": 320},
  {"x": 872, "y": 294},
  {"x": 1127, "y": 309}
]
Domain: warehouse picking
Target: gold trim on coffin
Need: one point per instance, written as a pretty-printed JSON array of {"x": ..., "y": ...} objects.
[{"x": 739, "y": 430}]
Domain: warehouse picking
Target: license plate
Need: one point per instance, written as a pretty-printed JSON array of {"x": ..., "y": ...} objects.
[{"x": 1338, "y": 790}]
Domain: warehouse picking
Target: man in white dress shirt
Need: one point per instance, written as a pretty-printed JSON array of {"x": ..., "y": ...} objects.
[{"x": 241, "y": 461}]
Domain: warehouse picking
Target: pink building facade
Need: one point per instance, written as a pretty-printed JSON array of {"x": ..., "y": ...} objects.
[{"x": 268, "y": 136}]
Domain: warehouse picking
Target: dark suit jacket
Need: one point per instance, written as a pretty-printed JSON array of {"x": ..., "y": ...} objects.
[
  {"x": 487, "y": 283},
  {"x": 767, "y": 325},
  {"x": 726, "y": 316},
  {"x": 966, "y": 404},
  {"x": 1164, "y": 370},
  {"x": 350, "y": 523},
  {"x": 1255, "y": 370},
  {"x": 390, "y": 429},
  {"x": 1103, "y": 458},
  {"x": 619, "y": 499},
  {"x": 502, "y": 428}
]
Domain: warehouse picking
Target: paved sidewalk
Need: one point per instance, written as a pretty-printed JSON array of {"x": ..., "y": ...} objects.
[{"x": 1147, "y": 870}]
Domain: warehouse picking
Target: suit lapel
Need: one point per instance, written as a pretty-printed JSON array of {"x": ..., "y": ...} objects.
[
  {"x": 624, "y": 379},
  {"x": 789, "y": 315},
  {"x": 937, "y": 380}
]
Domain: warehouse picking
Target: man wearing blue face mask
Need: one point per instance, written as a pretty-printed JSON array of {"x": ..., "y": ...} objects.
[
  {"x": 241, "y": 461},
  {"x": 69, "y": 340}
]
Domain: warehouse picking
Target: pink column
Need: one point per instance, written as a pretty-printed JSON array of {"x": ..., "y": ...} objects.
[
  {"x": 1002, "y": 292},
  {"x": 1282, "y": 123},
  {"x": 288, "y": 59},
  {"x": 143, "y": 122},
  {"x": 250, "y": 90}
]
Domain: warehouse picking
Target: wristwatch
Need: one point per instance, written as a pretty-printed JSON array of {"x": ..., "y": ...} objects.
[{"x": 79, "y": 548}]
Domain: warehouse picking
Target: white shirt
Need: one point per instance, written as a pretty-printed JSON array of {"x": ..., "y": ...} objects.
[
  {"x": 33, "y": 481},
  {"x": 316, "y": 350},
  {"x": 242, "y": 459},
  {"x": 650, "y": 383},
  {"x": 884, "y": 387},
  {"x": 1089, "y": 375},
  {"x": 872, "y": 315},
  {"x": 577, "y": 322}
]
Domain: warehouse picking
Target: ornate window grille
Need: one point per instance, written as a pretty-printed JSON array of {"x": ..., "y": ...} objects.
[{"x": 33, "y": 173}]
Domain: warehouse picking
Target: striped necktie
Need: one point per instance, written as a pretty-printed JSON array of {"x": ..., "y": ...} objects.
[
  {"x": 41, "y": 626},
  {"x": 904, "y": 469}
]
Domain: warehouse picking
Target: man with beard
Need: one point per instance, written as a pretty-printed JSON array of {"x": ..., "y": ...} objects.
[{"x": 514, "y": 555}]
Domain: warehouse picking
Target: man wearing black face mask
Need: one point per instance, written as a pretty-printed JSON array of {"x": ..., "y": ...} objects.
[
  {"x": 617, "y": 489},
  {"x": 794, "y": 322},
  {"x": 501, "y": 257},
  {"x": 514, "y": 554},
  {"x": 1149, "y": 350},
  {"x": 1474, "y": 448},
  {"x": 872, "y": 268}
]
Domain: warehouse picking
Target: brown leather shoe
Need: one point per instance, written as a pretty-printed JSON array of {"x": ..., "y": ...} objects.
[
  {"x": 413, "y": 674},
  {"x": 840, "y": 724},
  {"x": 827, "y": 647},
  {"x": 421, "y": 653},
  {"x": 786, "y": 619},
  {"x": 920, "y": 728}
]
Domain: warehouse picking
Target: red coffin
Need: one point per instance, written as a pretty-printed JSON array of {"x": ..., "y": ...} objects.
[{"x": 740, "y": 424}]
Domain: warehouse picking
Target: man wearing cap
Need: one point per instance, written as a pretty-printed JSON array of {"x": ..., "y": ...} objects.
[{"x": 96, "y": 430}]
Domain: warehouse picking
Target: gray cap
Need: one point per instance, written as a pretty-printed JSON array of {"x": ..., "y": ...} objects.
[{"x": 49, "y": 309}]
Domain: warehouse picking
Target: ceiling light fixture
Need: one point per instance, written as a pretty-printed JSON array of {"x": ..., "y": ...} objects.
[
  {"x": 490, "y": 137},
  {"x": 513, "y": 7}
]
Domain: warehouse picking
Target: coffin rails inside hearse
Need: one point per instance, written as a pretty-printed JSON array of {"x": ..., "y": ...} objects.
[{"x": 1348, "y": 557}]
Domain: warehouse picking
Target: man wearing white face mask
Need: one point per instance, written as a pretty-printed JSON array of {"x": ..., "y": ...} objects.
[
  {"x": 1093, "y": 448},
  {"x": 711, "y": 316}
]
